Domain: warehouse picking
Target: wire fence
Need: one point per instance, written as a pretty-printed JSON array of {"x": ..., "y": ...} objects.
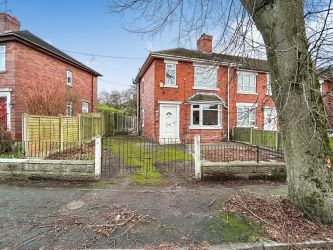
[
  {"x": 47, "y": 150},
  {"x": 226, "y": 152}
]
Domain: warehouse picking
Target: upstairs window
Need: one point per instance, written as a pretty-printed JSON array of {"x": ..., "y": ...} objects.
[
  {"x": 69, "y": 109},
  {"x": 246, "y": 83},
  {"x": 2, "y": 58},
  {"x": 246, "y": 116},
  {"x": 170, "y": 74},
  {"x": 268, "y": 85},
  {"x": 85, "y": 107},
  {"x": 205, "y": 77},
  {"x": 69, "y": 80}
]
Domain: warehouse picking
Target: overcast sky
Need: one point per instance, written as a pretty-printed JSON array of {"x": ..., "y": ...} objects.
[{"x": 86, "y": 26}]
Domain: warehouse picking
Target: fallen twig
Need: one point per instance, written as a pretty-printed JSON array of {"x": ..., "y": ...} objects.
[{"x": 212, "y": 202}]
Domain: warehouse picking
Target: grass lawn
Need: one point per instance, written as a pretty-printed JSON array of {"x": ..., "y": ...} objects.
[{"x": 139, "y": 152}]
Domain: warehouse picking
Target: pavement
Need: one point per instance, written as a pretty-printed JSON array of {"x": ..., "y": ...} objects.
[{"x": 57, "y": 215}]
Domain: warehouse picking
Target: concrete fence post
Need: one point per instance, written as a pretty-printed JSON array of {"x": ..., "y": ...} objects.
[
  {"x": 277, "y": 140},
  {"x": 98, "y": 156},
  {"x": 251, "y": 135},
  {"x": 197, "y": 157}
]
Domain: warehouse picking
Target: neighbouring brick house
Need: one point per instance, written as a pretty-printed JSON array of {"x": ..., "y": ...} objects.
[
  {"x": 326, "y": 90},
  {"x": 184, "y": 92},
  {"x": 27, "y": 59}
]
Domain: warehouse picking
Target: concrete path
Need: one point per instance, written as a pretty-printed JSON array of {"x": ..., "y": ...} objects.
[{"x": 61, "y": 216}]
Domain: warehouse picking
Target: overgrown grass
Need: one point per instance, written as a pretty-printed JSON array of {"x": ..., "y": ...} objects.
[{"x": 145, "y": 155}]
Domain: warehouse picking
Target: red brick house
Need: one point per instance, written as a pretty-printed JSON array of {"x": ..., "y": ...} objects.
[
  {"x": 326, "y": 90},
  {"x": 184, "y": 92},
  {"x": 27, "y": 59}
]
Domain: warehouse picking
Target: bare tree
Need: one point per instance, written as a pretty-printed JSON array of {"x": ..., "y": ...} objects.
[{"x": 296, "y": 36}]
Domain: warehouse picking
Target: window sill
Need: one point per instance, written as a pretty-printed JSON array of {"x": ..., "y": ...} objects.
[
  {"x": 205, "y": 127},
  {"x": 69, "y": 86},
  {"x": 255, "y": 127},
  {"x": 170, "y": 86},
  {"x": 247, "y": 93},
  {"x": 203, "y": 88},
  {"x": 3, "y": 71}
]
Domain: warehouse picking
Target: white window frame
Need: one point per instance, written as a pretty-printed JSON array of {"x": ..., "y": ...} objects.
[
  {"x": 85, "y": 109},
  {"x": 166, "y": 84},
  {"x": 69, "y": 105},
  {"x": 197, "y": 85},
  {"x": 4, "y": 57},
  {"x": 252, "y": 108},
  {"x": 201, "y": 109},
  {"x": 268, "y": 86},
  {"x": 321, "y": 82},
  {"x": 243, "y": 74},
  {"x": 271, "y": 109},
  {"x": 143, "y": 118},
  {"x": 69, "y": 75}
]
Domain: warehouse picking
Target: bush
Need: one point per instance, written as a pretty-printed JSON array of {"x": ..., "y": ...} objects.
[
  {"x": 106, "y": 108},
  {"x": 5, "y": 141}
]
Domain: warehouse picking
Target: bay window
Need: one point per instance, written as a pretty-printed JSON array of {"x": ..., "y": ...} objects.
[
  {"x": 246, "y": 116},
  {"x": 205, "y": 77},
  {"x": 206, "y": 115},
  {"x": 246, "y": 83}
]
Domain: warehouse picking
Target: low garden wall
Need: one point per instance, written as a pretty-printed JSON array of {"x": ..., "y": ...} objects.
[
  {"x": 244, "y": 168},
  {"x": 47, "y": 169}
]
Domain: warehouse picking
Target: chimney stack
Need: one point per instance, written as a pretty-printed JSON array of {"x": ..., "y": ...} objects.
[
  {"x": 205, "y": 43},
  {"x": 8, "y": 23}
]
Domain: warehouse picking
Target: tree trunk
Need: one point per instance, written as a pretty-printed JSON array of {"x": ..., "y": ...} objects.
[{"x": 301, "y": 114}]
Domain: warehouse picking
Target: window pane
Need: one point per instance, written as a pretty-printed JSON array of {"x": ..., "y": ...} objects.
[
  {"x": 2, "y": 58},
  {"x": 246, "y": 82},
  {"x": 196, "y": 117},
  {"x": 170, "y": 74},
  {"x": 196, "y": 106},
  {"x": 210, "y": 117},
  {"x": 211, "y": 106},
  {"x": 85, "y": 107},
  {"x": 205, "y": 77}
]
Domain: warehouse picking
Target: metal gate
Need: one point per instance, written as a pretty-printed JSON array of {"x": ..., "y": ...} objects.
[{"x": 140, "y": 155}]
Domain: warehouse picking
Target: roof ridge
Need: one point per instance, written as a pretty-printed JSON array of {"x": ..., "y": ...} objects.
[
  {"x": 37, "y": 41},
  {"x": 208, "y": 54}
]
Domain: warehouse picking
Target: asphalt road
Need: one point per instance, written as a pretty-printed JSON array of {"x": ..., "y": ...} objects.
[{"x": 53, "y": 216}]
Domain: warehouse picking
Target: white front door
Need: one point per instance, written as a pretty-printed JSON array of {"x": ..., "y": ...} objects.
[
  {"x": 270, "y": 119},
  {"x": 169, "y": 121}
]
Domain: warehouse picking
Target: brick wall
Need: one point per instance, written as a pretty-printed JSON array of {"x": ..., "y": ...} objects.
[
  {"x": 261, "y": 99},
  {"x": 327, "y": 88},
  {"x": 25, "y": 65},
  {"x": 185, "y": 83},
  {"x": 147, "y": 102}
]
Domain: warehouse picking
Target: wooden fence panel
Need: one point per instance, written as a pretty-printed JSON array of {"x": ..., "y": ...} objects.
[{"x": 258, "y": 137}]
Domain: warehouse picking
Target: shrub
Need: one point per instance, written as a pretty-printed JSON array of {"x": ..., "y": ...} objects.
[
  {"x": 106, "y": 108},
  {"x": 5, "y": 141}
]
